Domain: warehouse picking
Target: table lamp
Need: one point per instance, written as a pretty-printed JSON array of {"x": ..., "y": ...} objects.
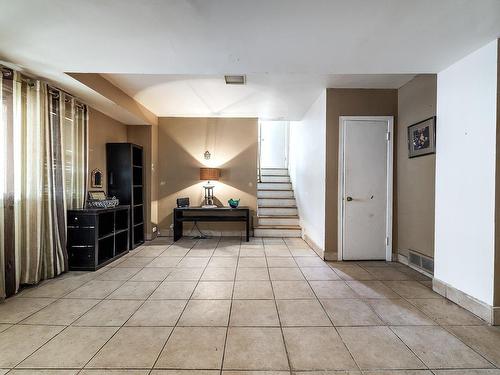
[{"x": 209, "y": 174}]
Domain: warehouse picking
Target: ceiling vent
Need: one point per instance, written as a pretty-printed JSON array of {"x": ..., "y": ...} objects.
[{"x": 235, "y": 80}]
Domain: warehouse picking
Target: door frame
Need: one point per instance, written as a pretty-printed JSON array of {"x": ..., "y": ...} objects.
[{"x": 390, "y": 178}]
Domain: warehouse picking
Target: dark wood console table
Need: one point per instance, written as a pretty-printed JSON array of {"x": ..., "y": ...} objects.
[{"x": 219, "y": 214}]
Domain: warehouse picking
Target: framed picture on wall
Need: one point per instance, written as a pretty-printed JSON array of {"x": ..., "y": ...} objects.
[{"x": 422, "y": 138}]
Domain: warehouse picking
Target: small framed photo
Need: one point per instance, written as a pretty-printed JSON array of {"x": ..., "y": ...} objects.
[{"x": 422, "y": 138}]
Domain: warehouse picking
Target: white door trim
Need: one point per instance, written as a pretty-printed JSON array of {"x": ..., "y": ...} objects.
[{"x": 341, "y": 193}]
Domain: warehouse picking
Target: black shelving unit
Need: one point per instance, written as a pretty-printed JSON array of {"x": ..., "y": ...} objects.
[
  {"x": 97, "y": 236},
  {"x": 125, "y": 165}
]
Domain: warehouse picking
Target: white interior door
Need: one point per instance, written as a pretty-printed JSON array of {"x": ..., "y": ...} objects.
[
  {"x": 366, "y": 188},
  {"x": 274, "y": 144}
]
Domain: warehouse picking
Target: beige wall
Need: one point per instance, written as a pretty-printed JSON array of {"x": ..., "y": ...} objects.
[
  {"x": 416, "y": 176},
  {"x": 102, "y": 130},
  {"x": 181, "y": 145},
  {"x": 348, "y": 102}
]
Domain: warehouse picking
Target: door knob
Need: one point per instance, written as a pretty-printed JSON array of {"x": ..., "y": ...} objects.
[{"x": 349, "y": 199}]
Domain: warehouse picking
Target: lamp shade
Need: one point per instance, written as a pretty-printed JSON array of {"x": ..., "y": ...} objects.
[{"x": 209, "y": 174}]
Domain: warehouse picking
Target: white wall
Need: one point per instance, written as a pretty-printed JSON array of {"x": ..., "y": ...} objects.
[
  {"x": 307, "y": 158},
  {"x": 465, "y": 173}
]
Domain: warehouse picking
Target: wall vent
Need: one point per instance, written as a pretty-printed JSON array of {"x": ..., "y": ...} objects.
[
  {"x": 421, "y": 261},
  {"x": 235, "y": 79}
]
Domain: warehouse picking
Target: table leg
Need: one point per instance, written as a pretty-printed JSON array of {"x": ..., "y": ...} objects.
[
  {"x": 248, "y": 226},
  {"x": 178, "y": 226}
]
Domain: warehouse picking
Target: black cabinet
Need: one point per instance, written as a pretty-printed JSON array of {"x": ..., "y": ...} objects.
[
  {"x": 97, "y": 236},
  {"x": 125, "y": 165}
]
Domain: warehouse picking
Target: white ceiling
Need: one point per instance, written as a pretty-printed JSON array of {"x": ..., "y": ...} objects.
[
  {"x": 268, "y": 96},
  {"x": 274, "y": 42}
]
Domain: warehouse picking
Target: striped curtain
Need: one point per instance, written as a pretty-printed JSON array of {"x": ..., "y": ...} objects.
[{"x": 48, "y": 165}]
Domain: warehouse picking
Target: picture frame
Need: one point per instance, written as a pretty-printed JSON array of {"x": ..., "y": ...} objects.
[
  {"x": 422, "y": 138},
  {"x": 96, "y": 178}
]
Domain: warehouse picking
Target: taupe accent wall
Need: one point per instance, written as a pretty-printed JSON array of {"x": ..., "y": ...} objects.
[
  {"x": 102, "y": 129},
  {"x": 181, "y": 145},
  {"x": 349, "y": 102},
  {"x": 416, "y": 176}
]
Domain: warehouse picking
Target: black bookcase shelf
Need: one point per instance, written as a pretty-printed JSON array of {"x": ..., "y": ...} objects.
[
  {"x": 96, "y": 237},
  {"x": 125, "y": 165}
]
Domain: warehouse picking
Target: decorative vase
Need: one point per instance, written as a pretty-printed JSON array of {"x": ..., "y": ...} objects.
[{"x": 233, "y": 203}]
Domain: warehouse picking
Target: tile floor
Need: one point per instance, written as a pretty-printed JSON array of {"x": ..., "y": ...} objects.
[{"x": 269, "y": 306}]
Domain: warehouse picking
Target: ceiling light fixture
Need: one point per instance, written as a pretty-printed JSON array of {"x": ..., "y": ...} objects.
[{"x": 235, "y": 79}]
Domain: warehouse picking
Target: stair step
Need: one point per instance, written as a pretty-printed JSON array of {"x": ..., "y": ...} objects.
[
  {"x": 277, "y": 220},
  {"x": 275, "y": 178},
  {"x": 280, "y": 231},
  {"x": 274, "y": 171},
  {"x": 277, "y": 211},
  {"x": 274, "y": 186},
  {"x": 275, "y": 194},
  {"x": 276, "y": 202}
]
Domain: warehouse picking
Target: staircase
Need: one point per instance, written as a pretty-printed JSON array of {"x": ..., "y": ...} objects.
[{"x": 277, "y": 214}]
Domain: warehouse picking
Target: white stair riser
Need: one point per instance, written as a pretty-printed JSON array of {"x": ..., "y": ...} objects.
[
  {"x": 273, "y": 186},
  {"x": 275, "y": 179},
  {"x": 277, "y": 232},
  {"x": 275, "y": 194},
  {"x": 275, "y": 172},
  {"x": 285, "y": 211},
  {"x": 277, "y": 221},
  {"x": 266, "y": 202}
]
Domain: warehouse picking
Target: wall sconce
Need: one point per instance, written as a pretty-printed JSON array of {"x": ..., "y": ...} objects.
[{"x": 207, "y": 155}]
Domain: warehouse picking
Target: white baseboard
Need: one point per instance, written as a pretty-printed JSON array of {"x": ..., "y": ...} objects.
[{"x": 317, "y": 249}]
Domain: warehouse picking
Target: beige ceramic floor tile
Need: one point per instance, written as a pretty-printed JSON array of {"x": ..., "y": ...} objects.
[
  {"x": 185, "y": 372},
  {"x": 332, "y": 289},
  {"x": 252, "y": 262},
  {"x": 72, "y": 348},
  {"x": 306, "y": 313},
  {"x": 228, "y": 252},
  {"x": 378, "y": 347},
  {"x": 317, "y": 348},
  {"x": 310, "y": 262},
  {"x": 372, "y": 289},
  {"x": 54, "y": 288},
  {"x": 223, "y": 262},
  {"x": 252, "y": 252},
  {"x": 185, "y": 274},
  {"x": 411, "y": 289},
  {"x": 445, "y": 312},
  {"x": 485, "y": 340},
  {"x": 398, "y": 312},
  {"x": 319, "y": 273},
  {"x": 165, "y": 261},
  {"x": 254, "y": 313},
  {"x": 225, "y": 372},
  {"x": 95, "y": 289},
  {"x": 350, "y": 271},
  {"x": 61, "y": 312},
  {"x": 252, "y": 273},
  {"x": 132, "y": 347},
  {"x": 16, "y": 309},
  {"x": 281, "y": 262},
  {"x": 303, "y": 252},
  {"x": 113, "y": 372},
  {"x": 255, "y": 349},
  {"x": 200, "y": 253},
  {"x": 174, "y": 252},
  {"x": 174, "y": 290},
  {"x": 286, "y": 274},
  {"x": 213, "y": 290},
  {"x": 161, "y": 313},
  {"x": 350, "y": 312},
  {"x": 122, "y": 274},
  {"x": 18, "y": 342},
  {"x": 468, "y": 372},
  {"x": 447, "y": 351},
  {"x": 152, "y": 274},
  {"x": 193, "y": 348},
  {"x": 109, "y": 313},
  {"x": 292, "y": 290},
  {"x": 136, "y": 261},
  {"x": 134, "y": 290},
  {"x": 398, "y": 372},
  {"x": 277, "y": 252},
  {"x": 219, "y": 274},
  {"x": 193, "y": 262},
  {"x": 3, "y": 327},
  {"x": 387, "y": 273},
  {"x": 209, "y": 313},
  {"x": 42, "y": 372}
]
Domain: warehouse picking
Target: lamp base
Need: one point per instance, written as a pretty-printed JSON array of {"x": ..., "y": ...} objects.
[{"x": 209, "y": 206}]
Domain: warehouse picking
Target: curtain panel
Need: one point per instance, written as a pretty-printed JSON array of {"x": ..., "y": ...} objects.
[{"x": 47, "y": 166}]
